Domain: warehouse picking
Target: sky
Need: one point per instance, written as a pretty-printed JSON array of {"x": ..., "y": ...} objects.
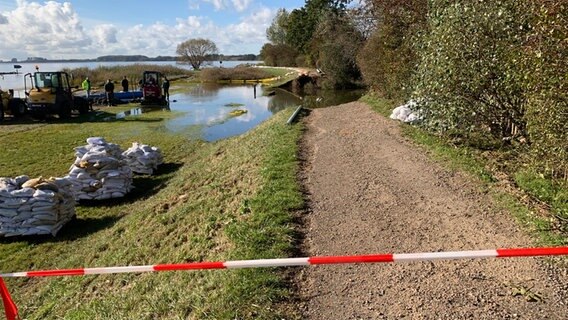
[{"x": 92, "y": 28}]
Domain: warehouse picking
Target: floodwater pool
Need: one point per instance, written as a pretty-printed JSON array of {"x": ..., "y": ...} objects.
[{"x": 222, "y": 111}]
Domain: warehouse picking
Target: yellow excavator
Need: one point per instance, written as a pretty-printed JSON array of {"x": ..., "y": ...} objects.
[
  {"x": 11, "y": 105},
  {"x": 51, "y": 93}
]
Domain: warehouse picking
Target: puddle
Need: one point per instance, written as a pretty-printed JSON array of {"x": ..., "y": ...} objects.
[{"x": 131, "y": 112}]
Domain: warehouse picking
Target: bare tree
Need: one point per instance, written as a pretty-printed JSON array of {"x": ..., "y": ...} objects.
[{"x": 196, "y": 51}]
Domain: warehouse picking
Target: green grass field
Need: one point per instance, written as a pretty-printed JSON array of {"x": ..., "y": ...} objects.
[{"x": 226, "y": 200}]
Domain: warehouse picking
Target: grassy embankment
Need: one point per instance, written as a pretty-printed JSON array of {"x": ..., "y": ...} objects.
[
  {"x": 226, "y": 200},
  {"x": 540, "y": 205}
]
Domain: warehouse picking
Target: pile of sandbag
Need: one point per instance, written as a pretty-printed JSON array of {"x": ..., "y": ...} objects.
[
  {"x": 405, "y": 113},
  {"x": 142, "y": 158},
  {"x": 99, "y": 171},
  {"x": 34, "y": 206}
]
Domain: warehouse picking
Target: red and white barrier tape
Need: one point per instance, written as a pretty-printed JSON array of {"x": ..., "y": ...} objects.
[
  {"x": 12, "y": 312},
  {"x": 289, "y": 262}
]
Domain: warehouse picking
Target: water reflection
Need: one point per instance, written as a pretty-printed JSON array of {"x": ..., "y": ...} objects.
[
  {"x": 140, "y": 110},
  {"x": 210, "y": 106},
  {"x": 218, "y": 111}
]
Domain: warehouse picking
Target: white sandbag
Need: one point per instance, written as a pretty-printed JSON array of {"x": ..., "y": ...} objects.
[
  {"x": 142, "y": 158},
  {"x": 94, "y": 163},
  {"x": 34, "y": 206},
  {"x": 406, "y": 113},
  {"x": 96, "y": 141},
  {"x": 23, "y": 193}
]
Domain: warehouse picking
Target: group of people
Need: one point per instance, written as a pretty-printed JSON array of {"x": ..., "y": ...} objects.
[{"x": 109, "y": 88}]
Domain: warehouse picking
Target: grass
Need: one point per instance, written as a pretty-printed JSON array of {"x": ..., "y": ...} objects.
[
  {"x": 233, "y": 74},
  {"x": 549, "y": 226},
  {"x": 226, "y": 200},
  {"x": 285, "y": 75}
]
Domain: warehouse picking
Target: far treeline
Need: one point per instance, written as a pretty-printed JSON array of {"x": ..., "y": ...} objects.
[{"x": 475, "y": 68}]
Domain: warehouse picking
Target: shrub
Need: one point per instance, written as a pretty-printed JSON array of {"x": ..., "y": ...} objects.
[
  {"x": 499, "y": 67},
  {"x": 469, "y": 75},
  {"x": 547, "y": 107},
  {"x": 278, "y": 55}
]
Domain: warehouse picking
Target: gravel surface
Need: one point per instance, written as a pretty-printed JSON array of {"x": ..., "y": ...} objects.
[{"x": 370, "y": 191}]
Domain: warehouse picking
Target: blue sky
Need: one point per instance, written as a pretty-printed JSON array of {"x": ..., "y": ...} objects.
[{"x": 91, "y": 28}]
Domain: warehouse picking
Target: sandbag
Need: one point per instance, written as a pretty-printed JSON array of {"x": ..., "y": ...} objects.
[
  {"x": 143, "y": 159},
  {"x": 34, "y": 206},
  {"x": 406, "y": 113},
  {"x": 99, "y": 171}
]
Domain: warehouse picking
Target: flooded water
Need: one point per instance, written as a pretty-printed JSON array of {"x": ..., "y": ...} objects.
[{"x": 222, "y": 111}]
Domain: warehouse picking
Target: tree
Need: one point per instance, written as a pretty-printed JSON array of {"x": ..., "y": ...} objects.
[
  {"x": 302, "y": 23},
  {"x": 278, "y": 55},
  {"x": 389, "y": 57},
  {"x": 276, "y": 33},
  {"x": 336, "y": 43},
  {"x": 196, "y": 51}
]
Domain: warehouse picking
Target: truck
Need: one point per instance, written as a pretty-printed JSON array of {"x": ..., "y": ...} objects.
[{"x": 51, "y": 93}]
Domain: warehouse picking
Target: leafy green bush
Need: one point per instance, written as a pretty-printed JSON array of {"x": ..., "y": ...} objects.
[
  {"x": 469, "y": 77},
  {"x": 547, "y": 108}
]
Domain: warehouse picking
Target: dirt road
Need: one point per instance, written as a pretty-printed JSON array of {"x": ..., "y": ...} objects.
[{"x": 371, "y": 191}]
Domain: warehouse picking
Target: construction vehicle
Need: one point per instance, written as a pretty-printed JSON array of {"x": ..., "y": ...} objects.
[
  {"x": 51, "y": 93},
  {"x": 151, "y": 86},
  {"x": 11, "y": 105}
]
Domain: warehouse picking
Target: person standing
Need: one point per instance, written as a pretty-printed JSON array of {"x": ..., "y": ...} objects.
[
  {"x": 109, "y": 90},
  {"x": 86, "y": 85},
  {"x": 124, "y": 84},
  {"x": 166, "y": 87}
]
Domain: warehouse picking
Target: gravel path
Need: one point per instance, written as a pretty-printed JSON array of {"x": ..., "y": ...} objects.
[{"x": 372, "y": 191}]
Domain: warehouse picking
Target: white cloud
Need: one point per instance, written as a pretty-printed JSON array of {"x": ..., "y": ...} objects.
[
  {"x": 54, "y": 30},
  {"x": 193, "y": 4},
  {"x": 218, "y": 4},
  {"x": 105, "y": 34},
  {"x": 40, "y": 29},
  {"x": 241, "y": 5}
]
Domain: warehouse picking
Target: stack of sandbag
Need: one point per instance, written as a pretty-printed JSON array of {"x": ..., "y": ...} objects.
[
  {"x": 142, "y": 158},
  {"x": 405, "y": 113},
  {"x": 35, "y": 206},
  {"x": 99, "y": 171}
]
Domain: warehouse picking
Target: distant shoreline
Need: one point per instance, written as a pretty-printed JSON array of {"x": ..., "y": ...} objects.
[{"x": 245, "y": 57}]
